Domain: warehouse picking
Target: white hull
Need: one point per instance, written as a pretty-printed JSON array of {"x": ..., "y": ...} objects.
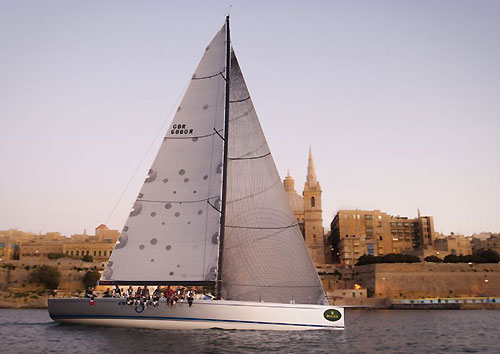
[{"x": 202, "y": 315}]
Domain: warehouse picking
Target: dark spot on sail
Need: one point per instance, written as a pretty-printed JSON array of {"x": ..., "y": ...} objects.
[
  {"x": 174, "y": 192},
  {"x": 210, "y": 275},
  {"x": 171, "y": 273},
  {"x": 179, "y": 108},
  {"x": 153, "y": 214},
  {"x": 154, "y": 241},
  {"x": 178, "y": 265},
  {"x": 217, "y": 203},
  {"x": 194, "y": 76},
  {"x": 152, "y": 260},
  {"x": 168, "y": 205},
  {"x": 200, "y": 212},
  {"x": 136, "y": 210},
  {"x": 194, "y": 192},
  {"x": 141, "y": 247},
  {"x": 207, "y": 48},
  {"x": 140, "y": 196},
  {"x": 186, "y": 180},
  {"x": 168, "y": 248},
  {"x": 151, "y": 176},
  {"x": 205, "y": 177},
  {"x": 122, "y": 241},
  {"x": 177, "y": 214},
  {"x": 165, "y": 180},
  {"x": 205, "y": 107},
  {"x": 163, "y": 223},
  {"x": 219, "y": 168},
  {"x": 125, "y": 228},
  {"x": 189, "y": 222},
  {"x": 215, "y": 238},
  {"x": 194, "y": 139},
  {"x": 182, "y": 172},
  {"x": 108, "y": 272}
]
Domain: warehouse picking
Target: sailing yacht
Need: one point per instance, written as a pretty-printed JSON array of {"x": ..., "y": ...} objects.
[{"x": 212, "y": 211}]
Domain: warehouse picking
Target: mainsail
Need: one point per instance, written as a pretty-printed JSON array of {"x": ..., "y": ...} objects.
[
  {"x": 171, "y": 233},
  {"x": 265, "y": 256}
]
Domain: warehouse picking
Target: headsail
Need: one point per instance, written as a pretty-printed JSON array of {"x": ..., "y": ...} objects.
[
  {"x": 265, "y": 256},
  {"x": 171, "y": 233}
]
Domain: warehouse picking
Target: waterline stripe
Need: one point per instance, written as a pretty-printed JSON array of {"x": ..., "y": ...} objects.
[{"x": 56, "y": 317}]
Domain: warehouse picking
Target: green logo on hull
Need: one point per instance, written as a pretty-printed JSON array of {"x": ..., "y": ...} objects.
[{"x": 332, "y": 315}]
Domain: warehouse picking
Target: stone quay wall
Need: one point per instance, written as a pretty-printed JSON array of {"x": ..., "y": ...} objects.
[
  {"x": 17, "y": 291},
  {"x": 429, "y": 280}
]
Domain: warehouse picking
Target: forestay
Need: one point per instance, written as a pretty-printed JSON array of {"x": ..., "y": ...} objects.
[
  {"x": 171, "y": 233},
  {"x": 265, "y": 256}
]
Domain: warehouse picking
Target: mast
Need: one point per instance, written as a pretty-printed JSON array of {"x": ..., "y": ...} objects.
[{"x": 224, "y": 166}]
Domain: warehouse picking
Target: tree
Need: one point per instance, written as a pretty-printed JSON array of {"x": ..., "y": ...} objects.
[
  {"x": 88, "y": 258},
  {"x": 434, "y": 259},
  {"x": 388, "y": 258},
  {"x": 55, "y": 255},
  {"x": 489, "y": 255},
  {"x": 451, "y": 258},
  {"x": 91, "y": 278},
  {"x": 47, "y": 275}
]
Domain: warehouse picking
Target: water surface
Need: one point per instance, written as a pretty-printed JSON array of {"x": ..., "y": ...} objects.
[{"x": 367, "y": 331}]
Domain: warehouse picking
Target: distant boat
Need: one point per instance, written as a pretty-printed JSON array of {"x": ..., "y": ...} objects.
[{"x": 212, "y": 211}]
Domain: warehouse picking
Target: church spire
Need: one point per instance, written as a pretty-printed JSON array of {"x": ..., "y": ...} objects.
[{"x": 311, "y": 180}]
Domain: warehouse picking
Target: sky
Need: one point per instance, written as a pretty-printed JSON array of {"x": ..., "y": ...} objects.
[{"x": 399, "y": 100}]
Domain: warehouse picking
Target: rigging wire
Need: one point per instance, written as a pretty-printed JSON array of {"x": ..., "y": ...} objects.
[{"x": 160, "y": 130}]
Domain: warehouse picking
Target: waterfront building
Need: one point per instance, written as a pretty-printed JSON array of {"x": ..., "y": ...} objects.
[
  {"x": 53, "y": 245},
  {"x": 373, "y": 232},
  {"x": 10, "y": 241},
  {"x": 308, "y": 212},
  {"x": 489, "y": 240},
  {"x": 456, "y": 245}
]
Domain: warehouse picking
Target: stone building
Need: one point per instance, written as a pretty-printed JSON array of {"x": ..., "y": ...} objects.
[
  {"x": 489, "y": 240},
  {"x": 308, "y": 212},
  {"x": 456, "y": 245},
  {"x": 358, "y": 232},
  {"x": 53, "y": 245},
  {"x": 10, "y": 241}
]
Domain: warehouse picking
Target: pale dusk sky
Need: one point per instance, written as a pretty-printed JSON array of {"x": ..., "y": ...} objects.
[{"x": 400, "y": 101}]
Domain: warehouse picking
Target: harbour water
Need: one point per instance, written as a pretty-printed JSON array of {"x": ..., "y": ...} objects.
[{"x": 367, "y": 331}]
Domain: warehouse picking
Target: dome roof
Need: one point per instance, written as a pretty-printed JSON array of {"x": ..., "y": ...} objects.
[{"x": 296, "y": 202}]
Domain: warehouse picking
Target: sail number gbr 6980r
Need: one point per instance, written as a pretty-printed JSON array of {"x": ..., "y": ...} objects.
[{"x": 180, "y": 129}]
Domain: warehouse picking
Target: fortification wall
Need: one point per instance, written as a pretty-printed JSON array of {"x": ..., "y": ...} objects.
[
  {"x": 15, "y": 274},
  {"x": 421, "y": 280}
]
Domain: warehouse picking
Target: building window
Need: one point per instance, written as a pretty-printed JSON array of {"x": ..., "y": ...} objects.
[
  {"x": 71, "y": 252},
  {"x": 87, "y": 252},
  {"x": 99, "y": 253},
  {"x": 95, "y": 253},
  {"x": 77, "y": 253},
  {"x": 67, "y": 253},
  {"x": 313, "y": 202},
  {"x": 380, "y": 238},
  {"x": 105, "y": 253}
]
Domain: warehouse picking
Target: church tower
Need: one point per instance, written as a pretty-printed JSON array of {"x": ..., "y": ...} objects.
[{"x": 313, "y": 215}]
